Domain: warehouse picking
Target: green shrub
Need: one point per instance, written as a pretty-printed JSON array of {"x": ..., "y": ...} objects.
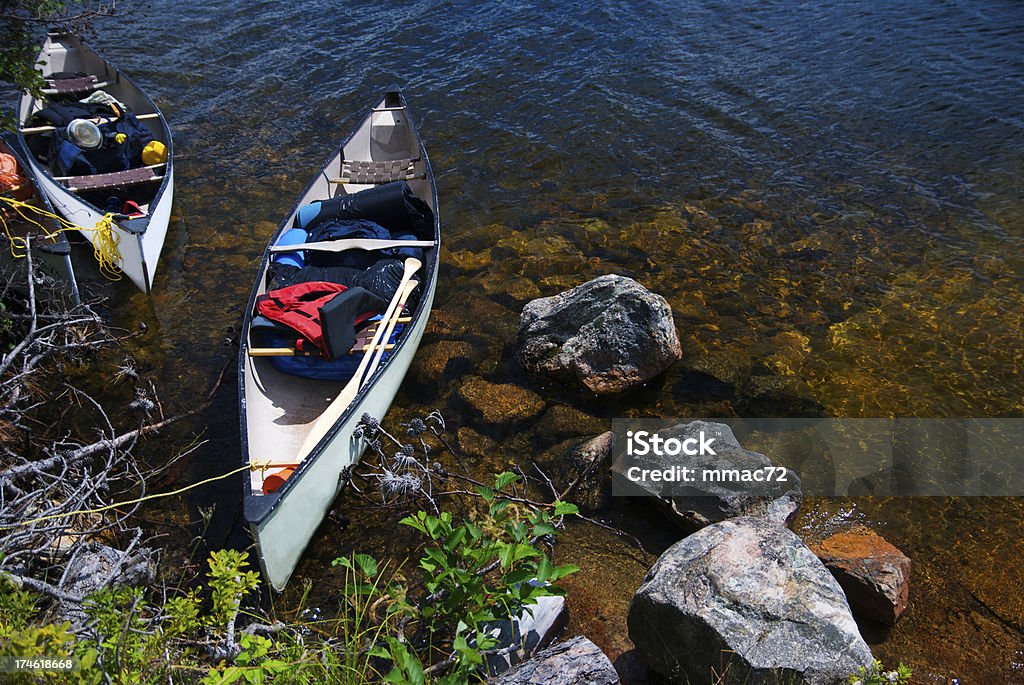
[{"x": 875, "y": 674}]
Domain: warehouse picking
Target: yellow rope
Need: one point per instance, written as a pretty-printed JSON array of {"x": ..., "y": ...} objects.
[
  {"x": 104, "y": 248},
  {"x": 261, "y": 466},
  {"x": 105, "y": 241}
]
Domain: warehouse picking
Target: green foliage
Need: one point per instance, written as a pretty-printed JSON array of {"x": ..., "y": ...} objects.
[
  {"x": 229, "y": 583},
  {"x": 876, "y": 674},
  {"x": 406, "y": 668},
  {"x": 17, "y": 608},
  {"x": 478, "y": 573},
  {"x": 181, "y": 615},
  {"x": 133, "y": 640},
  {"x": 254, "y": 664},
  {"x": 21, "y": 33},
  {"x": 433, "y": 628},
  {"x": 374, "y": 607},
  {"x": 125, "y": 646},
  {"x": 50, "y": 639},
  {"x": 18, "y": 48}
]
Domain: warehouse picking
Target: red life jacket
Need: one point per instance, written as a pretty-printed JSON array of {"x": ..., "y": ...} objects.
[{"x": 298, "y": 307}]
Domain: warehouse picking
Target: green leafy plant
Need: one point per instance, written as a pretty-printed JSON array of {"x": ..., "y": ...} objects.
[
  {"x": 20, "y": 33},
  {"x": 17, "y": 608},
  {"x": 374, "y": 609},
  {"x": 253, "y": 664},
  {"x": 229, "y": 582},
  {"x": 875, "y": 674},
  {"x": 483, "y": 571},
  {"x": 473, "y": 572}
]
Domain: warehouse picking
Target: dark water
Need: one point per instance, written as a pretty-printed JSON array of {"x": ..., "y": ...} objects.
[{"x": 830, "y": 197}]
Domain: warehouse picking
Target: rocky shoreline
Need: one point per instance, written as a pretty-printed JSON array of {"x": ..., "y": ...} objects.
[{"x": 739, "y": 595}]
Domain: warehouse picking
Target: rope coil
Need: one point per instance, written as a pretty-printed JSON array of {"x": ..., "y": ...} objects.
[{"x": 105, "y": 240}]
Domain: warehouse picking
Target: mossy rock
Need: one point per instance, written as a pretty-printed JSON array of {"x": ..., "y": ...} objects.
[{"x": 499, "y": 403}]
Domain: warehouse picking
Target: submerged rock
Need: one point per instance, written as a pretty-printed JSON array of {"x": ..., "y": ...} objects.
[
  {"x": 442, "y": 360},
  {"x": 476, "y": 445},
  {"x": 561, "y": 421},
  {"x": 874, "y": 574},
  {"x": 574, "y": 662},
  {"x": 590, "y": 460},
  {"x": 584, "y": 469},
  {"x": 500, "y": 403},
  {"x": 605, "y": 336},
  {"x": 745, "y": 595}
]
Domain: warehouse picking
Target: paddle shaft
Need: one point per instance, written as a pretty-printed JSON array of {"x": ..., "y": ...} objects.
[
  {"x": 379, "y": 354},
  {"x": 336, "y": 408},
  {"x": 47, "y": 129}
]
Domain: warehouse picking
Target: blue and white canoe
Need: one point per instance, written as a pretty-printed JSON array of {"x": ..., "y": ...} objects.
[
  {"x": 298, "y": 430},
  {"x": 79, "y": 198}
]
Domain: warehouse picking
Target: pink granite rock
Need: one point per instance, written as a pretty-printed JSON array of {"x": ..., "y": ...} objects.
[{"x": 874, "y": 575}]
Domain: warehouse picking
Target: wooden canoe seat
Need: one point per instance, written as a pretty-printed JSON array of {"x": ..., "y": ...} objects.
[
  {"x": 375, "y": 173},
  {"x": 115, "y": 179},
  {"x": 68, "y": 86}
]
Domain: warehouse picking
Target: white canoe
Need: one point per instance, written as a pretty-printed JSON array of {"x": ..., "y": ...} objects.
[
  {"x": 280, "y": 411},
  {"x": 82, "y": 199}
]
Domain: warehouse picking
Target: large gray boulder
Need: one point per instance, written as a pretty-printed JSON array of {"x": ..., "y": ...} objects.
[
  {"x": 606, "y": 336},
  {"x": 574, "y": 662},
  {"x": 747, "y": 597},
  {"x": 712, "y": 496}
]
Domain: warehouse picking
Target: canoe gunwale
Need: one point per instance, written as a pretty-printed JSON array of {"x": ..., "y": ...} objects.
[{"x": 58, "y": 245}]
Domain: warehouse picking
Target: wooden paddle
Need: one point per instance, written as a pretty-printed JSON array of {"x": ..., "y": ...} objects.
[
  {"x": 388, "y": 331},
  {"x": 391, "y": 323},
  {"x": 336, "y": 408}
]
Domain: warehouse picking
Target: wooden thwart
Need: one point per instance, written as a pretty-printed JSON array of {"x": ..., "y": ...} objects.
[
  {"x": 292, "y": 352},
  {"x": 362, "y": 344},
  {"x": 46, "y": 129},
  {"x": 64, "y": 86},
  {"x": 351, "y": 244},
  {"x": 368, "y": 172}
]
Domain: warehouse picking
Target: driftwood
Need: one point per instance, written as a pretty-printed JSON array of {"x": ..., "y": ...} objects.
[{"x": 59, "y": 533}]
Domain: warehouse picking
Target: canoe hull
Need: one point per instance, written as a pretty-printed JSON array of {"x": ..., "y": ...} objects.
[
  {"x": 283, "y": 535},
  {"x": 279, "y": 411}
]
